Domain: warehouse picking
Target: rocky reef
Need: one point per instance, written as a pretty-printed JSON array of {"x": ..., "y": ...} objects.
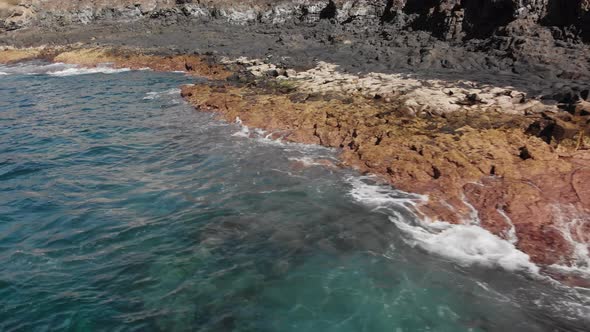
[
  {"x": 477, "y": 163},
  {"x": 482, "y": 105}
]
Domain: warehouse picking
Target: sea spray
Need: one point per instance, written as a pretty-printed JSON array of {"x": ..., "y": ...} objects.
[{"x": 464, "y": 244}]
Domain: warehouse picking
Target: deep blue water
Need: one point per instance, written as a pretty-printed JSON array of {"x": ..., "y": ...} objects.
[{"x": 123, "y": 209}]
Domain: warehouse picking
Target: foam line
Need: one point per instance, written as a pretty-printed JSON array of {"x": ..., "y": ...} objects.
[{"x": 86, "y": 71}]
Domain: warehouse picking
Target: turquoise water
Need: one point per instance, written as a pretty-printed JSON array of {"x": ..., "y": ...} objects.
[{"x": 123, "y": 209}]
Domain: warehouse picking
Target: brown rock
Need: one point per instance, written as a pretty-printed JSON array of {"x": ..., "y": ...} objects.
[{"x": 15, "y": 55}]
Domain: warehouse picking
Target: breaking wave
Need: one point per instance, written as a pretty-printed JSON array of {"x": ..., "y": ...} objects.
[
  {"x": 311, "y": 152},
  {"x": 244, "y": 130},
  {"x": 159, "y": 94},
  {"x": 33, "y": 68},
  {"x": 464, "y": 244},
  {"x": 57, "y": 69}
]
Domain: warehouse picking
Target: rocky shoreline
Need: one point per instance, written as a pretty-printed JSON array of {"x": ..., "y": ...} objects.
[
  {"x": 491, "y": 122},
  {"x": 478, "y": 164}
]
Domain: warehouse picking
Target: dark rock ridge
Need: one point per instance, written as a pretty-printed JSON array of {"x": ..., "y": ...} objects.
[
  {"x": 546, "y": 38},
  {"x": 447, "y": 19},
  {"x": 543, "y": 38}
]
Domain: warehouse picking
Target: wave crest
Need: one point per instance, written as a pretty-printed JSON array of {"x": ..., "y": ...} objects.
[
  {"x": 56, "y": 69},
  {"x": 464, "y": 244},
  {"x": 85, "y": 71}
]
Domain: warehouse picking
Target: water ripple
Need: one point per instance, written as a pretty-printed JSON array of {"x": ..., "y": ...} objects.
[{"x": 125, "y": 210}]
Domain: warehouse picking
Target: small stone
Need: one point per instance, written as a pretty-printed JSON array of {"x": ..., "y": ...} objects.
[
  {"x": 524, "y": 153},
  {"x": 474, "y": 98},
  {"x": 272, "y": 73},
  {"x": 282, "y": 72}
]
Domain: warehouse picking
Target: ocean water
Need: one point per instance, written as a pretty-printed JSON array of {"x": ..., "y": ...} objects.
[{"x": 124, "y": 209}]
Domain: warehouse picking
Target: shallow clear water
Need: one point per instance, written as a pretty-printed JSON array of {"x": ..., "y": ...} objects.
[{"x": 123, "y": 209}]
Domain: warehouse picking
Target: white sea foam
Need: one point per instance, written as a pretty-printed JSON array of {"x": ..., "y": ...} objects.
[
  {"x": 3, "y": 73},
  {"x": 58, "y": 69},
  {"x": 464, "y": 244},
  {"x": 468, "y": 245},
  {"x": 309, "y": 161},
  {"x": 261, "y": 136},
  {"x": 159, "y": 94},
  {"x": 510, "y": 235},
  {"x": 570, "y": 223},
  {"x": 473, "y": 218},
  {"x": 370, "y": 193},
  {"x": 85, "y": 71},
  {"x": 33, "y": 68},
  {"x": 244, "y": 130}
]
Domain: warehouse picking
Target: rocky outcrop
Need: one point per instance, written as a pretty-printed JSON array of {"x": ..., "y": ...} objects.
[
  {"x": 9, "y": 56},
  {"x": 574, "y": 14},
  {"x": 447, "y": 19},
  {"x": 14, "y": 15},
  {"x": 542, "y": 37}
]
